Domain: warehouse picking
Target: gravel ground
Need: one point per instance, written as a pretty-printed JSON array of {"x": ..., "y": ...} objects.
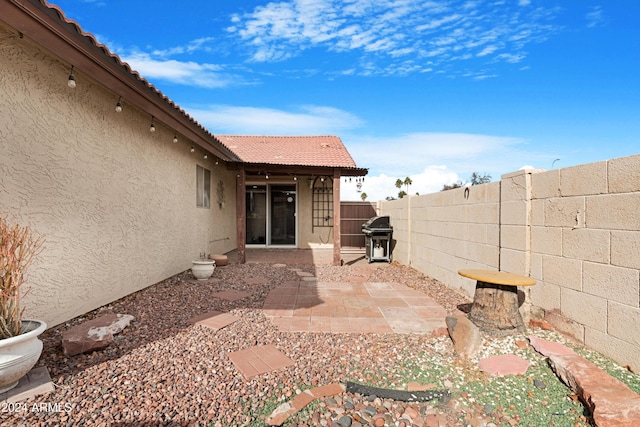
[{"x": 162, "y": 371}]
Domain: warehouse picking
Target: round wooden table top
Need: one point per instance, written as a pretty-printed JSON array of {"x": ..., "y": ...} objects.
[{"x": 498, "y": 277}]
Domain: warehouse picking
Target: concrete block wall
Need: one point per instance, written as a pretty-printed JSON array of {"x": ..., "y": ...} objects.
[
  {"x": 440, "y": 233},
  {"x": 575, "y": 230},
  {"x": 585, "y": 245}
]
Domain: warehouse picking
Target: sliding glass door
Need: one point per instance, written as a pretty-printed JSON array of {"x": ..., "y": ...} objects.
[{"x": 271, "y": 215}]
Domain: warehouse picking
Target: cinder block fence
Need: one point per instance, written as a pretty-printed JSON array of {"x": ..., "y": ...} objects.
[{"x": 575, "y": 230}]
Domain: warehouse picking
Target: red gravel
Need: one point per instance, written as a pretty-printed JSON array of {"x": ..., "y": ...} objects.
[{"x": 162, "y": 371}]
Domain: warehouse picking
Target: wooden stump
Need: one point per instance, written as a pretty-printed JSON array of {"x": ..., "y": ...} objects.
[{"x": 495, "y": 309}]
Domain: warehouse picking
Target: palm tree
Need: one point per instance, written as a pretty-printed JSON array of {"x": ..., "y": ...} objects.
[{"x": 407, "y": 181}]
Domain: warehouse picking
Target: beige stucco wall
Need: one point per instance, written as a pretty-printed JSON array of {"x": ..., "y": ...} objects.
[
  {"x": 116, "y": 203},
  {"x": 575, "y": 230}
]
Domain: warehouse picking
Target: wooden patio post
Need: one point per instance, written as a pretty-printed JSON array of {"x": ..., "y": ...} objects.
[
  {"x": 241, "y": 216},
  {"x": 336, "y": 218}
]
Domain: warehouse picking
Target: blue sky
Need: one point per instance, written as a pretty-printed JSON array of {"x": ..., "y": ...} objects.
[{"x": 430, "y": 89}]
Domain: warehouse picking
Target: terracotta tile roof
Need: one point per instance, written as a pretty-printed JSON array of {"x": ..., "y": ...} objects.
[{"x": 323, "y": 151}]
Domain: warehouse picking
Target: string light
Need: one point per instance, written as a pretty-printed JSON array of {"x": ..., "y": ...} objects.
[
  {"x": 72, "y": 79},
  {"x": 119, "y": 105}
]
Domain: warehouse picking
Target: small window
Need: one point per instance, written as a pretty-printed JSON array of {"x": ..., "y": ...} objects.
[{"x": 203, "y": 187}]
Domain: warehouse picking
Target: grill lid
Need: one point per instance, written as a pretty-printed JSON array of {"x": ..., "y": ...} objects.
[{"x": 377, "y": 222}]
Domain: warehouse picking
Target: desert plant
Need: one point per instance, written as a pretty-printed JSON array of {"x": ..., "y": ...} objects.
[{"x": 18, "y": 246}]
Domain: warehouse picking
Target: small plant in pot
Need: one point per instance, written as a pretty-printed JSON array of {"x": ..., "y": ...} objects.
[{"x": 20, "y": 347}]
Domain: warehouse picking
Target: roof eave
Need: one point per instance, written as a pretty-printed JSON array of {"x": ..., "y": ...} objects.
[{"x": 299, "y": 169}]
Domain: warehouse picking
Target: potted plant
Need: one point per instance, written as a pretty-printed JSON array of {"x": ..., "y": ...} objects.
[
  {"x": 20, "y": 347},
  {"x": 203, "y": 268}
]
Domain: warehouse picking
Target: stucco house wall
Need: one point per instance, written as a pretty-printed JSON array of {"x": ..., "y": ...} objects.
[
  {"x": 116, "y": 203},
  {"x": 575, "y": 230}
]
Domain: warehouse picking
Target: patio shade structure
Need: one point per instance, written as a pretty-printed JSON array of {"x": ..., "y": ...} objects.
[{"x": 295, "y": 156}]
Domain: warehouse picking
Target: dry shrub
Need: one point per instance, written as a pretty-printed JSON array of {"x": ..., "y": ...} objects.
[{"x": 18, "y": 246}]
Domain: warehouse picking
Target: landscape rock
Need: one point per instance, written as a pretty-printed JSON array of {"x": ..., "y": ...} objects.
[
  {"x": 542, "y": 324},
  {"x": 547, "y": 348},
  {"x": 505, "y": 364},
  {"x": 287, "y": 409},
  {"x": 612, "y": 403},
  {"x": 466, "y": 336},
  {"x": 94, "y": 334}
]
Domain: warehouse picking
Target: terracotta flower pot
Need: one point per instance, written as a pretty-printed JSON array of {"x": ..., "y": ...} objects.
[{"x": 20, "y": 353}]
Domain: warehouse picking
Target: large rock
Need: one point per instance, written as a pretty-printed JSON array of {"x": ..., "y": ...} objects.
[
  {"x": 94, "y": 334},
  {"x": 611, "y": 402},
  {"x": 466, "y": 336}
]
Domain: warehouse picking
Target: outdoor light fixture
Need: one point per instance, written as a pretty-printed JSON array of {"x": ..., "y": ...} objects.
[
  {"x": 206, "y": 155},
  {"x": 175, "y": 138},
  {"x": 295, "y": 178},
  {"x": 119, "y": 105},
  {"x": 152, "y": 128},
  {"x": 216, "y": 161},
  {"x": 72, "y": 79},
  {"x": 192, "y": 149},
  {"x": 266, "y": 176}
]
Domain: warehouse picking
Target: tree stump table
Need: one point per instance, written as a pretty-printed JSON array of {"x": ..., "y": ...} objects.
[{"x": 495, "y": 303}]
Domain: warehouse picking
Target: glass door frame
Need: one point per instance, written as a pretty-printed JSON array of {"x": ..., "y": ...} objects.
[{"x": 268, "y": 207}]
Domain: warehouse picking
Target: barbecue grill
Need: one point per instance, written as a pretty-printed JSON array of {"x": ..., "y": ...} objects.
[{"x": 377, "y": 237}]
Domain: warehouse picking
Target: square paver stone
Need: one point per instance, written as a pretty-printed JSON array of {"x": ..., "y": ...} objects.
[
  {"x": 231, "y": 295},
  {"x": 214, "y": 319},
  {"x": 259, "y": 360},
  {"x": 36, "y": 382}
]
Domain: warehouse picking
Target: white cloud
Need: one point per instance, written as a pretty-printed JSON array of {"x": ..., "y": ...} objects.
[
  {"x": 595, "y": 17},
  {"x": 302, "y": 120},
  {"x": 379, "y": 31},
  {"x": 446, "y": 156},
  {"x": 409, "y": 153},
  {"x": 379, "y": 187},
  {"x": 181, "y": 72},
  {"x": 193, "y": 46}
]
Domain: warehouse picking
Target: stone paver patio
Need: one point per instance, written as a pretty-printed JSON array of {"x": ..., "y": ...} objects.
[{"x": 344, "y": 307}]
